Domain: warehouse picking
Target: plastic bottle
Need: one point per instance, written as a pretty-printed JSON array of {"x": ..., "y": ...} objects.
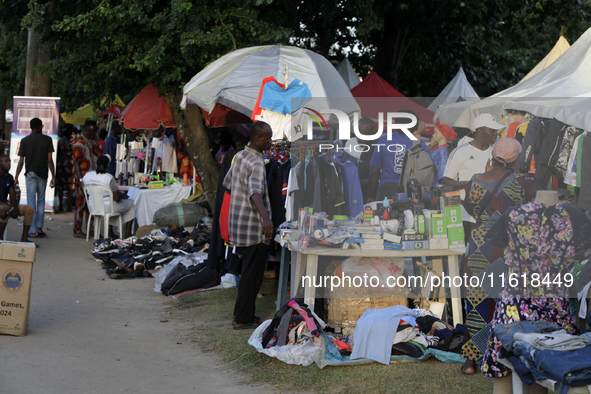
[{"x": 386, "y": 203}]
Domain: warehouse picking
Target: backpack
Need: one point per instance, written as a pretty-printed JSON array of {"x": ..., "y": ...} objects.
[{"x": 417, "y": 164}]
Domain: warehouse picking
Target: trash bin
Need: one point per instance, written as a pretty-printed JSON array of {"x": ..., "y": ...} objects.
[{"x": 16, "y": 268}]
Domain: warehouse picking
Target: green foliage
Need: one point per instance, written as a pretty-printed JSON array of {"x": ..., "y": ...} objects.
[{"x": 106, "y": 47}]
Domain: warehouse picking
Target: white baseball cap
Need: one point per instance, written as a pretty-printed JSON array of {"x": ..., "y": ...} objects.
[{"x": 486, "y": 120}]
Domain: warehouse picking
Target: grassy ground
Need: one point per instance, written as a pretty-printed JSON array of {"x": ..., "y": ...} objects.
[{"x": 211, "y": 313}]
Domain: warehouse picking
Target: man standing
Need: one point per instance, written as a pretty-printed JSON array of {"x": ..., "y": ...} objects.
[
  {"x": 35, "y": 152},
  {"x": 11, "y": 208},
  {"x": 249, "y": 221},
  {"x": 111, "y": 147},
  {"x": 472, "y": 158}
]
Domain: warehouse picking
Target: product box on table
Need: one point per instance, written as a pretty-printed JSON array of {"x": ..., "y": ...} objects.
[
  {"x": 451, "y": 199},
  {"x": 438, "y": 226},
  {"x": 16, "y": 268},
  {"x": 414, "y": 236},
  {"x": 156, "y": 185},
  {"x": 415, "y": 245},
  {"x": 453, "y": 215},
  {"x": 456, "y": 237},
  {"x": 439, "y": 243}
]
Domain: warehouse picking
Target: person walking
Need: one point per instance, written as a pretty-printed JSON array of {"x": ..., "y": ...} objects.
[
  {"x": 249, "y": 221},
  {"x": 65, "y": 168},
  {"x": 35, "y": 152}
]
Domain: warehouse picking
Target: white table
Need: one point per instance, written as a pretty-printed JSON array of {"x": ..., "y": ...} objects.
[
  {"x": 307, "y": 263},
  {"x": 148, "y": 201},
  {"x": 521, "y": 388}
]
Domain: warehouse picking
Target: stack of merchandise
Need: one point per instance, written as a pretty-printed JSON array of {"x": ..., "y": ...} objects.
[{"x": 141, "y": 257}]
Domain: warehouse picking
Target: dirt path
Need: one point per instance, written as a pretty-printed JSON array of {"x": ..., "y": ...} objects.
[{"x": 91, "y": 334}]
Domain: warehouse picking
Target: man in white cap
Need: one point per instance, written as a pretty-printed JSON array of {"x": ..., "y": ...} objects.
[{"x": 472, "y": 158}]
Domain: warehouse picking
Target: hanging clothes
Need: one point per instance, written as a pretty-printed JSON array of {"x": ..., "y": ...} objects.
[
  {"x": 274, "y": 104},
  {"x": 565, "y": 150},
  {"x": 571, "y": 171},
  {"x": 547, "y": 156},
  {"x": 352, "y": 187},
  {"x": 584, "y": 201}
]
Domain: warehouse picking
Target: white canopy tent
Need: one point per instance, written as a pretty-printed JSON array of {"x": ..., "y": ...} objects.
[
  {"x": 458, "y": 89},
  {"x": 234, "y": 79},
  {"x": 348, "y": 73},
  {"x": 569, "y": 76},
  {"x": 559, "y": 48}
]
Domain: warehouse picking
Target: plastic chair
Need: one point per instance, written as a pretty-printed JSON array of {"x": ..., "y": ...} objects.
[{"x": 96, "y": 194}]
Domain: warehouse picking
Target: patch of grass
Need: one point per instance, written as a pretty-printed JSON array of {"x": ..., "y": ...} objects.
[{"x": 211, "y": 313}]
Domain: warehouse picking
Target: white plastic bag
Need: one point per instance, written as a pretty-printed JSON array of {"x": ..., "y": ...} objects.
[{"x": 305, "y": 354}]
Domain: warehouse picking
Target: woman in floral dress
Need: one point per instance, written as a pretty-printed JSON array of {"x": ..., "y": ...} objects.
[
  {"x": 65, "y": 167},
  {"x": 540, "y": 239}
]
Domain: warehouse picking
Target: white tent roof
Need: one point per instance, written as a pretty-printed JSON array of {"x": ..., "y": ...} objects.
[
  {"x": 349, "y": 75},
  {"x": 561, "y": 46},
  {"x": 234, "y": 80},
  {"x": 457, "y": 88},
  {"x": 568, "y": 76}
]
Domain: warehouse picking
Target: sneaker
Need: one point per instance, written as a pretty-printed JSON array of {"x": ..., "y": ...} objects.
[{"x": 160, "y": 250}]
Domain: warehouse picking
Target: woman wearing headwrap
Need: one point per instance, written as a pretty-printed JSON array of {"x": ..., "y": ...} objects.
[
  {"x": 102, "y": 177},
  {"x": 514, "y": 189},
  {"x": 440, "y": 150}
]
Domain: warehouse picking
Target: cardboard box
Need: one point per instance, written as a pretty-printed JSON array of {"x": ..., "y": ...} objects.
[
  {"x": 415, "y": 245},
  {"x": 156, "y": 185},
  {"x": 456, "y": 236},
  {"x": 16, "y": 268},
  {"x": 451, "y": 199},
  {"x": 439, "y": 243},
  {"x": 392, "y": 238},
  {"x": 438, "y": 228},
  {"x": 453, "y": 215},
  {"x": 414, "y": 236}
]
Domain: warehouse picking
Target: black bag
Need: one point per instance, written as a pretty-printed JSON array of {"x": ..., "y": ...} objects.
[{"x": 195, "y": 277}]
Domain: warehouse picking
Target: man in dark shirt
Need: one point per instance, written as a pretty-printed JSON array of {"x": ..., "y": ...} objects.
[
  {"x": 111, "y": 147},
  {"x": 11, "y": 209},
  {"x": 35, "y": 152}
]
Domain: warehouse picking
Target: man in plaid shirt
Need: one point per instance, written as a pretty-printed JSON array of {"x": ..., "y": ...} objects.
[{"x": 249, "y": 221}]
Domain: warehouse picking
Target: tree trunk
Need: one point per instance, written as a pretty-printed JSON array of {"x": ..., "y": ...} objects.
[
  {"x": 2, "y": 116},
  {"x": 191, "y": 129},
  {"x": 36, "y": 84}
]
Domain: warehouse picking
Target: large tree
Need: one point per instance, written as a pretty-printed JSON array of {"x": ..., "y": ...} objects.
[{"x": 106, "y": 47}]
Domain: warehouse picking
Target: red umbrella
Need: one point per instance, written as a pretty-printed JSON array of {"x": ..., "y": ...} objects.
[
  {"x": 114, "y": 110},
  {"x": 375, "y": 86},
  {"x": 148, "y": 110},
  {"x": 224, "y": 116}
]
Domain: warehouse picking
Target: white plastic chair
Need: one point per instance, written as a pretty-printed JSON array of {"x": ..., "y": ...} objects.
[{"x": 96, "y": 192}]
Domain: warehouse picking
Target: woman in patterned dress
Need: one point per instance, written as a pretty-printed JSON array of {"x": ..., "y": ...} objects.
[
  {"x": 513, "y": 190},
  {"x": 65, "y": 167},
  {"x": 541, "y": 239},
  {"x": 86, "y": 153}
]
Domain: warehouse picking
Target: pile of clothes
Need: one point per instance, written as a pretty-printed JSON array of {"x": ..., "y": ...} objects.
[
  {"x": 141, "y": 257},
  {"x": 541, "y": 350},
  {"x": 401, "y": 331},
  {"x": 293, "y": 324}
]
